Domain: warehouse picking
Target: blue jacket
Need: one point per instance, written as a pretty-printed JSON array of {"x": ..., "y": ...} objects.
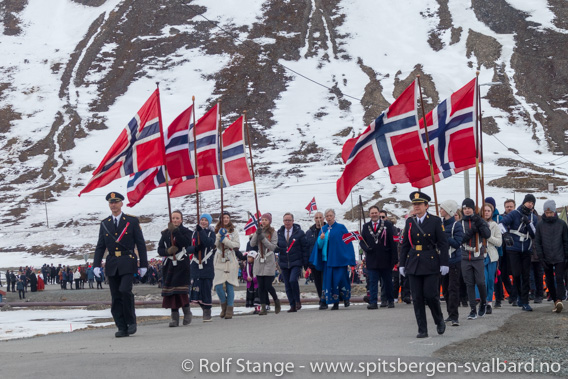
[
  {"x": 454, "y": 232},
  {"x": 298, "y": 255},
  {"x": 513, "y": 223},
  {"x": 90, "y": 273}
]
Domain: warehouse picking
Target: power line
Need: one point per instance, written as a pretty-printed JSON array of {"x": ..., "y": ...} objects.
[
  {"x": 254, "y": 49},
  {"x": 274, "y": 62}
]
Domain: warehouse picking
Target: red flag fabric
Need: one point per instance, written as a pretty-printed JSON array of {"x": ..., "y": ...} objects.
[
  {"x": 235, "y": 165},
  {"x": 393, "y": 138},
  {"x": 180, "y": 155},
  {"x": 351, "y": 236},
  {"x": 139, "y": 147},
  {"x": 451, "y": 130}
]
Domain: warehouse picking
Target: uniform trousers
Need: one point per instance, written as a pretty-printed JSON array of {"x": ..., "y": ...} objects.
[
  {"x": 122, "y": 308},
  {"x": 425, "y": 290}
]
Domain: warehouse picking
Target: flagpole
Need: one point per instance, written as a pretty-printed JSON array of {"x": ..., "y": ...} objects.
[
  {"x": 477, "y": 173},
  {"x": 253, "y": 177},
  {"x": 220, "y": 131},
  {"x": 174, "y": 259},
  {"x": 478, "y": 116},
  {"x": 196, "y": 172},
  {"x": 428, "y": 145}
]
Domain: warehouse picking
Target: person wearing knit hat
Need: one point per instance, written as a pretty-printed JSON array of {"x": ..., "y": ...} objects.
[
  {"x": 208, "y": 217},
  {"x": 450, "y": 207},
  {"x": 491, "y": 201},
  {"x": 529, "y": 198},
  {"x": 202, "y": 266},
  {"x": 551, "y": 245},
  {"x": 265, "y": 262},
  {"x": 475, "y": 230},
  {"x": 451, "y": 282},
  {"x": 520, "y": 224}
]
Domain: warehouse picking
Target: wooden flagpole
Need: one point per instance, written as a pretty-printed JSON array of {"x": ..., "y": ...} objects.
[
  {"x": 220, "y": 129},
  {"x": 196, "y": 172},
  {"x": 261, "y": 248},
  {"x": 479, "y": 117},
  {"x": 428, "y": 145},
  {"x": 165, "y": 167}
]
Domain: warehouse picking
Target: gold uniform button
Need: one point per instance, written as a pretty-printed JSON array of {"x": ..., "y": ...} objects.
[{"x": 417, "y": 255}]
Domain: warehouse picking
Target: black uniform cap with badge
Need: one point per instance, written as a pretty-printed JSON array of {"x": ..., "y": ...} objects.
[
  {"x": 419, "y": 197},
  {"x": 114, "y": 197}
]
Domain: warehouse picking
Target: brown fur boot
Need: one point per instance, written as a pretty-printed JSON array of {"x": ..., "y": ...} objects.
[
  {"x": 175, "y": 318},
  {"x": 223, "y": 310},
  {"x": 229, "y": 313},
  {"x": 187, "y": 315}
]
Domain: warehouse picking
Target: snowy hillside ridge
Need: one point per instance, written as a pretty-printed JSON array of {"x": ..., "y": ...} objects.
[{"x": 70, "y": 83}]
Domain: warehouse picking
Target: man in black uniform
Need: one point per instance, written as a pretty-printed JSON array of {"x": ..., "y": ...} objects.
[
  {"x": 118, "y": 234},
  {"x": 423, "y": 257}
]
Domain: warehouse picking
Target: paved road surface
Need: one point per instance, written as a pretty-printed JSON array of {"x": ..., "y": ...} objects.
[{"x": 353, "y": 335}]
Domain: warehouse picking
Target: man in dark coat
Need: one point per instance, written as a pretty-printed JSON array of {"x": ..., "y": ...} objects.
[
  {"x": 520, "y": 226},
  {"x": 119, "y": 234},
  {"x": 312, "y": 234},
  {"x": 293, "y": 255},
  {"x": 551, "y": 245},
  {"x": 8, "y": 280},
  {"x": 423, "y": 257},
  {"x": 381, "y": 256}
]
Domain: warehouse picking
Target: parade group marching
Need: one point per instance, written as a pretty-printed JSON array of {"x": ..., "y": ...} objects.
[{"x": 478, "y": 256}]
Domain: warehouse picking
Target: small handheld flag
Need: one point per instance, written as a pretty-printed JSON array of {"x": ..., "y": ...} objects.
[
  {"x": 252, "y": 224},
  {"x": 351, "y": 236},
  {"x": 312, "y": 206}
]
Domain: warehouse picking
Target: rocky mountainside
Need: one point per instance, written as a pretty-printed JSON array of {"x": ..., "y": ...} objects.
[{"x": 69, "y": 83}]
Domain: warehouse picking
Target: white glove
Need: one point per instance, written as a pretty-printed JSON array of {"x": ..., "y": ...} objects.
[
  {"x": 143, "y": 271},
  {"x": 401, "y": 270},
  {"x": 444, "y": 270},
  {"x": 97, "y": 272}
]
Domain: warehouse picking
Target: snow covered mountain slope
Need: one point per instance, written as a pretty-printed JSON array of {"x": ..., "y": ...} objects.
[{"x": 309, "y": 73}]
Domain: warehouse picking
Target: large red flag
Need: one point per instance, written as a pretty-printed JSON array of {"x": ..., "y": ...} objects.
[
  {"x": 393, "y": 138},
  {"x": 235, "y": 165},
  {"x": 451, "y": 130},
  {"x": 139, "y": 147}
]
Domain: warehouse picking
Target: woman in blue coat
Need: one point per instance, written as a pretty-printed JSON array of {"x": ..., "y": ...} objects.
[{"x": 332, "y": 256}]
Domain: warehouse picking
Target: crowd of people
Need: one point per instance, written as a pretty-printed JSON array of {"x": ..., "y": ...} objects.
[{"x": 478, "y": 256}]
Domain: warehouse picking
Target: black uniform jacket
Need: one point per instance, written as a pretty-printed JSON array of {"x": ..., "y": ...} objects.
[
  {"x": 424, "y": 253},
  {"x": 127, "y": 262}
]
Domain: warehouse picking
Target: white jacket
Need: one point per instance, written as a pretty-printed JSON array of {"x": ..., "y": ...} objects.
[
  {"x": 227, "y": 271},
  {"x": 493, "y": 242}
]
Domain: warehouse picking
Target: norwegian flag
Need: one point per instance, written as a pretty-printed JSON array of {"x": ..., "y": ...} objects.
[
  {"x": 139, "y": 147},
  {"x": 252, "y": 224},
  {"x": 451, "y": 130},
  {"x": 352, "y": 236},
  {"x": 393, "y": 138},
  {"x": 180, "y": 155},
  {"x": 312, "y": 206},
  {"x": 235, "y": 165}
]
